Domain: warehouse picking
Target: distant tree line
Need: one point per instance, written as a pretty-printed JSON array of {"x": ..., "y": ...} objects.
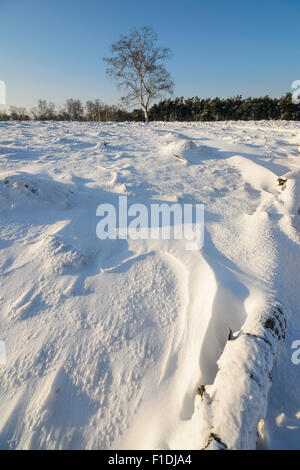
[
  {"x": 72, "y": 110},
  {"x": 217, "y": 109},
  {"x": 178, "y": 109}
]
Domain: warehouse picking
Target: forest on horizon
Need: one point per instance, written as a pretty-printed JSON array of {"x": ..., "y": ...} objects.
[{"x": 177, "y": 109}]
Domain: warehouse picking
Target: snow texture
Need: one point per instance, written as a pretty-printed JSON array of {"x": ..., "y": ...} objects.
[{"x": 141, "y": 344}]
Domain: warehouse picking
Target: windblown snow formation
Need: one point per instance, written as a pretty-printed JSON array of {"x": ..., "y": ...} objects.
[{"x": 134, "y": 344}]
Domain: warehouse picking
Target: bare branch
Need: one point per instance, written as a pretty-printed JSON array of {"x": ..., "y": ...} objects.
[{"x": 137, "y": 66}]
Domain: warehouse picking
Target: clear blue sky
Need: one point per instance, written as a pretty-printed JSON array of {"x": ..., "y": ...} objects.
[{"x": 53, "y": 49}]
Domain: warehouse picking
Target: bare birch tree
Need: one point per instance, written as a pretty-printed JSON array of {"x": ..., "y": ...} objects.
[{"x": 137, "y": 65}]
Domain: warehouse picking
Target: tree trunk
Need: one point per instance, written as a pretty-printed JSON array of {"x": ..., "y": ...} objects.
[
  {"x": 234, "y": 405},
  {"x": 146, "y": 114}
]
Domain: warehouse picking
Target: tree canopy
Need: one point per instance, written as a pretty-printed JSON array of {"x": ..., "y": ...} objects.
[{"x": 137, "y": 64}]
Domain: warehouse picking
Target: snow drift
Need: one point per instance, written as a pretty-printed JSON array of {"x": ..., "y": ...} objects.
[{"x": 103, "y": 336}]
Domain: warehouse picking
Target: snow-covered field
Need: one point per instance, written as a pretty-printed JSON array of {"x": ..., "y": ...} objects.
[{"x": 108, "y": 340}]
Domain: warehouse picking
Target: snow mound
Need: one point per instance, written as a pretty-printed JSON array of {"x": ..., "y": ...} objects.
[
  {"x": 260, "y": 178},
  {"x": 24, "y": 189},
  {"x": 189, "y": 150},
  {"x": 237, "y": 401},
  {"x": 60, "y": 256},
  {"x": 116, "y": 184},
  {"x": 295, "y": 139}
]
